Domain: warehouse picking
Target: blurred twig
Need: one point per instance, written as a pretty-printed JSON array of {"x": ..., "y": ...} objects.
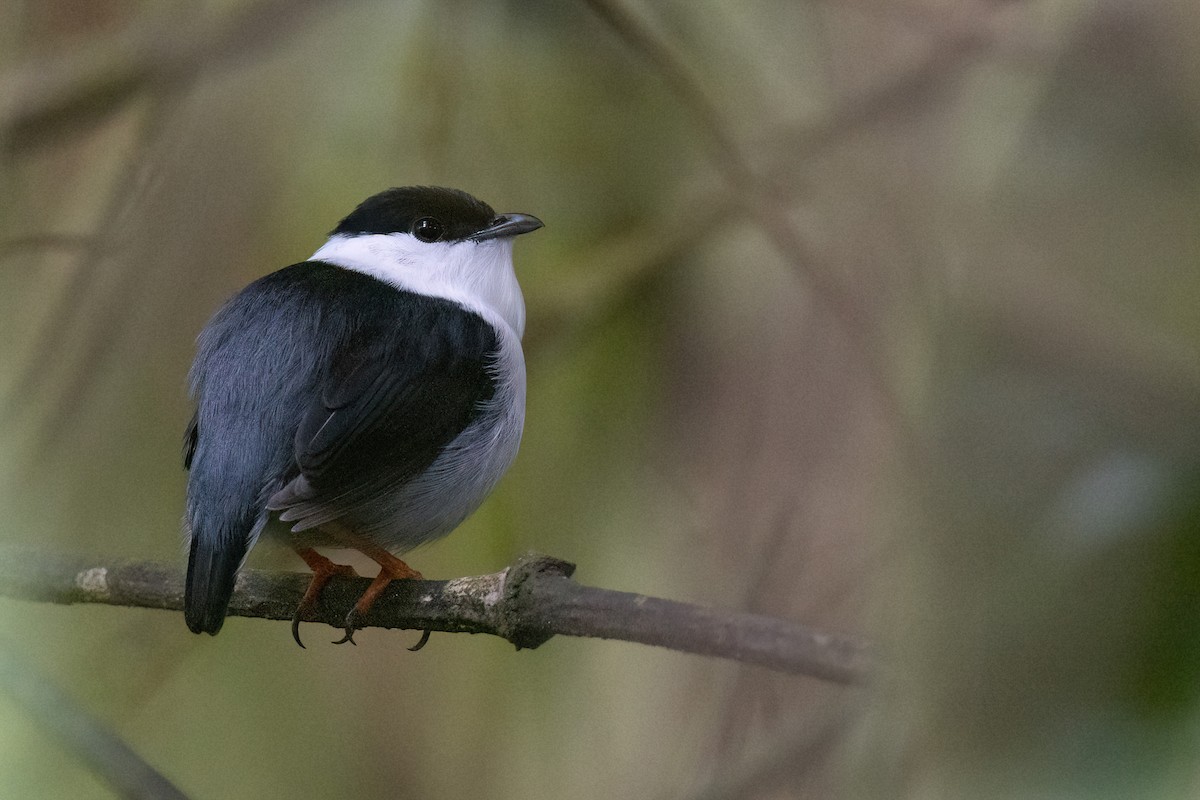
[
  {"x": 906, "y": 91},
  {"x": 75, "y": 312},
  {"x": 764, "y": 200},
  {"x": 624, "y": 262},
  {"x": 686, "y": 85},
  {"x": 155, "y": 58},
  {"x": 619, "y": 270},
  {"x": 83, "y": 734},
  {"x": 45, "y": 95},
  {"x": 526, "y": 603},
  {"x": 790, "y": 753},
  {"x": 45, "y": 241}
]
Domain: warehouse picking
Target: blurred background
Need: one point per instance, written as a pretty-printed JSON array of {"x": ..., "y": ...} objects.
[{"x": 879, "y": 316}]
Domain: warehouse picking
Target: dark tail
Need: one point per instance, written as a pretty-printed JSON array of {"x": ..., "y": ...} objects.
[{"x": 211, "y": 573}]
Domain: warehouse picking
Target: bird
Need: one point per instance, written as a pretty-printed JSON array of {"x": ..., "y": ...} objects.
[{"x": 371, "y": 397}]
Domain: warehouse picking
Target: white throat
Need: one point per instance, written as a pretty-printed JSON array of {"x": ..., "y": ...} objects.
[{"x": 478, "y": 276}]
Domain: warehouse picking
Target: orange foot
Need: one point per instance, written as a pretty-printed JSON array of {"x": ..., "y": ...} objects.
[
  {"x": 390, "y": 569},
  {"x": 323, "y": 569}
]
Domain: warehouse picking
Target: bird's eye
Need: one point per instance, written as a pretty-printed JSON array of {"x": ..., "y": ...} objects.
[{"x": 427, "y": 229}]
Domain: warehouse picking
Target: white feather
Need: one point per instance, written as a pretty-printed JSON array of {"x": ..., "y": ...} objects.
[{"x": 478, "y": 276}]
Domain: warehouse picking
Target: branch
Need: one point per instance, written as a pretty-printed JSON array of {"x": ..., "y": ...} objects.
[
  {"x": 792, "y": 753},
  {"x": 45, "y": 241},
  {"x": 526, "y": 603},
  {"x": 763, "y": 198},
  {"x": 82, "y": 733},
  {"x": 47, "y": 93}
]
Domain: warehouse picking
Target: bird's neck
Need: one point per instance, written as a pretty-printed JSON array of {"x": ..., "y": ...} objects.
[{"x": 477, "y": 275}]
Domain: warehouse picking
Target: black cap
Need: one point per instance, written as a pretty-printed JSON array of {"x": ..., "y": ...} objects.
[{"x": 451, "y": 214}]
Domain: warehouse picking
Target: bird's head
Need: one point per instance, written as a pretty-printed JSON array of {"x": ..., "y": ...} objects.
[{"x": 435, "y": 241}]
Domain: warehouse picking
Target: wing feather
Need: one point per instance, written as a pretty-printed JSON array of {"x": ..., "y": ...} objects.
[{"x": 393, "y": 399}]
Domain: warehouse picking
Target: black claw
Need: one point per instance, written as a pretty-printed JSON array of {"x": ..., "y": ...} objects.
[
  {"x": 423, "y": 642},
  {"x": 296, "y": 629},
  {"x": 351, "y": 626}
]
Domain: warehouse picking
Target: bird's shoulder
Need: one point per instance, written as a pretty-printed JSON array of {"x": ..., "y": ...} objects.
[{"x": 350, "y": 309}]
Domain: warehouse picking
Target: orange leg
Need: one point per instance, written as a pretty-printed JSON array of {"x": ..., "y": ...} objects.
[
  {"x": 390, "y": 569},
  {"x": 323, "y": 569}
]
